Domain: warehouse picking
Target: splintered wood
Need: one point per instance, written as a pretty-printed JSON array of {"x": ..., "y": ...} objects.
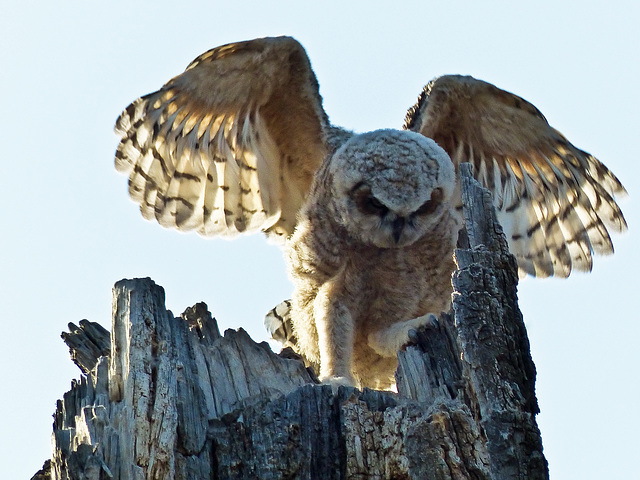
[{"x": 170, "y": 398}]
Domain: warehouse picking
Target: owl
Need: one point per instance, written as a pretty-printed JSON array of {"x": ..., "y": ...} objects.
[{"x": 240, "y": 143}]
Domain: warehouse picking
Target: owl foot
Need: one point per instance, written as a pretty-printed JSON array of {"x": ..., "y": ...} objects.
[
  {"x": 389, "y": 341},
  {"x": 419, "y": 337}
]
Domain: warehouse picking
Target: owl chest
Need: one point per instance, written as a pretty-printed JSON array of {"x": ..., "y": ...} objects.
[{"x": 383, "y": 286}]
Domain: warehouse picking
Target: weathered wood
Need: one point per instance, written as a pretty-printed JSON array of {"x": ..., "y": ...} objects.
[
  {"x": 171, "y": 398},
  {"x": 87, "y": 343},
  {"x": 493, "y": 339}
]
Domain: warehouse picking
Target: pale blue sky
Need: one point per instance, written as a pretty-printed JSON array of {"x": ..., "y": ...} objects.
[{"x": 70, "y": 231}]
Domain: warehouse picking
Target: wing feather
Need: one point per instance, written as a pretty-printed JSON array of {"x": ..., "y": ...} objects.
[
  {"x": 556, "y": 202},
  {"x": 230, "y": 144}
]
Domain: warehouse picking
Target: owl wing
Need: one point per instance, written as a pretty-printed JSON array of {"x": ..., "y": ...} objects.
[
  {"x": 555, "y": 202},
  {"x": 230, "y": 145}
]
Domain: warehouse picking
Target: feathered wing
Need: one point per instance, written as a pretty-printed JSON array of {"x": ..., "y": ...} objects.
[
  {"x": 230, "y": 145},
  {"x": 555, "y": 202}
]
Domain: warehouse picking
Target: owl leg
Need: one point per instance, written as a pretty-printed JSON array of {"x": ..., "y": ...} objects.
[
  {"x": 388, "y": 341},
  {"x": 335, "y": 327}
]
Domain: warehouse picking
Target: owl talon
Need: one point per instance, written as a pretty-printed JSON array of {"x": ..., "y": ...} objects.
[
  {"x": 413, "y": 337},
  {"x": 419, "y": 337},
  {"x": 431, "y": 321}
]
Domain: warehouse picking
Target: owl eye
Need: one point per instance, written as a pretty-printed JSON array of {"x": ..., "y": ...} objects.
[
  {"x": 372, "y": 205},
  {"x": 430, "y": 205}
]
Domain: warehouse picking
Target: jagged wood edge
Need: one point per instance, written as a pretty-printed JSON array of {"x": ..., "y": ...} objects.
[{"x": 412, "y": 435}]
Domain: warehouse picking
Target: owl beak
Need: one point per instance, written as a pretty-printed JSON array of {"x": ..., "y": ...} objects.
[{"x": 398, "y": 227}]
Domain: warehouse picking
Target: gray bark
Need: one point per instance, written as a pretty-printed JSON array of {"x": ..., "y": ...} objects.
[{"x": 165, "y": 397}]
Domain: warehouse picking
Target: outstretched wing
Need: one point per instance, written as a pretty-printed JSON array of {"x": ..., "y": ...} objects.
[
  {"x": 555, "y": 202},
  {"x": 230, "y": 145}
]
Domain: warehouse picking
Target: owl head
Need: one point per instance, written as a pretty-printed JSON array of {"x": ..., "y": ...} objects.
[{"x": 389, "y": 188}]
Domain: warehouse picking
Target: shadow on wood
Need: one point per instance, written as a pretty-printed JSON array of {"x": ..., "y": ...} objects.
[{"x": 164, "y": 397}]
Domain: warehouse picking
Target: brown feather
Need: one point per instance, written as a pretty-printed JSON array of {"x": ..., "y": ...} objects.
[
  {"x": 563, "y": 197},
  {"x": 201, "y": 152}
]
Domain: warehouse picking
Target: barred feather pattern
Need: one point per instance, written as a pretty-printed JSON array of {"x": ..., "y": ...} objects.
[
  {"x": 166, "y": 150},
  {"x": 231, "y": 144},
  {"x": 556, "y": 203},
  {"x": 278, "y": 323},
  {"x": 554, "y": 211}
]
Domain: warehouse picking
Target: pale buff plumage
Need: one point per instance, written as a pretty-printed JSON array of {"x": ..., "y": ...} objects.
[
  {"x": 240, "y": 142},
  {"x": 371, "y": 253}
]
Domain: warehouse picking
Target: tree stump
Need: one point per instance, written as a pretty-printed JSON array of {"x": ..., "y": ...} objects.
[{"x": 170, "y": 398}]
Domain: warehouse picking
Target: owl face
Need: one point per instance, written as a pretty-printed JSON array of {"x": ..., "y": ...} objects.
[{"x": 389, "y": 188}]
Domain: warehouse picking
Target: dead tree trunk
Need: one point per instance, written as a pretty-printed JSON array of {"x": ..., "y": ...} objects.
[{"x": 170, "y": 398}]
